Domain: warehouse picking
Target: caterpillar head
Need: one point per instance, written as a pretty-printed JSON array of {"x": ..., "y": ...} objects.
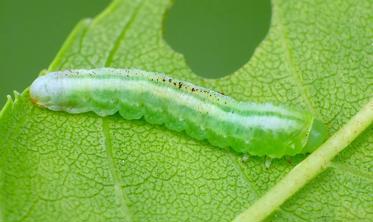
[
  {"x": 46, "y": 90},
  {"x": 40, "y": 92}
]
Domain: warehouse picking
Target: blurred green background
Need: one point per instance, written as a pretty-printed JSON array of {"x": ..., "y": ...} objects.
[
  {"x": 32, "y": 32},
  {"x": 216, "y": 36}
]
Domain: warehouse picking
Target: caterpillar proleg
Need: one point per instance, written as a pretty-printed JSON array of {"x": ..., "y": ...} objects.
[{"x": 246, "y": 127}]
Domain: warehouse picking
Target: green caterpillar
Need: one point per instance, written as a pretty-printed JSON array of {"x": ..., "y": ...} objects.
[{"x": 246, "y": 127}]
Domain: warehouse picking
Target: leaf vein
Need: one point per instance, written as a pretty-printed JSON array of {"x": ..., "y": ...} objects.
[
  {"x": 292, "y": 64},
  {"x": 118, "y": 191},
  {"x": 243, "y": 175},
  {"x": 122, "y": 35}
]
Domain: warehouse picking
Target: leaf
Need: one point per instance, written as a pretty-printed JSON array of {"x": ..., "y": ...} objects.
[{"x": 60, "y": 167}]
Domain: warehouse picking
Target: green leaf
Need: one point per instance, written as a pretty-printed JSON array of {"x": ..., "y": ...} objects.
[{"x": 60, "y": 167}]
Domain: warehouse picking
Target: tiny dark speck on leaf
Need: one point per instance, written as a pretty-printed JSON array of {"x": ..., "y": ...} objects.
[{"x": 289, "y": 161}]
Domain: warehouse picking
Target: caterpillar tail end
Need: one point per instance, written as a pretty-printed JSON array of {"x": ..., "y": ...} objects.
[{"x": 318, "y": 134}]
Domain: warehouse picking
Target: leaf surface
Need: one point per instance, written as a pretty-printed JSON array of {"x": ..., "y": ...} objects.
[{"x": 62, "y": 167}]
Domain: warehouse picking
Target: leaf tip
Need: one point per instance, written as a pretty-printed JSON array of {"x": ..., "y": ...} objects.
[{"x": 8, "y": 105}]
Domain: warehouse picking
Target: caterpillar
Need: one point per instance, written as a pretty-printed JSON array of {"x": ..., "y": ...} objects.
[{"x": 261, "y": 129}]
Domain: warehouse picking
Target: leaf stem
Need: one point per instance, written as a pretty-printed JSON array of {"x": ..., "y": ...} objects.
[{"x": 308, "y": 168}]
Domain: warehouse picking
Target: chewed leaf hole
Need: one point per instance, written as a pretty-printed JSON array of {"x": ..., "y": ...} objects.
[{"x": 216, "y": 37}]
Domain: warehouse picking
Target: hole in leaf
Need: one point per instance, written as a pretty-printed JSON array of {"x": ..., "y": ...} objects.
[{"x": 216, "y": 37}]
